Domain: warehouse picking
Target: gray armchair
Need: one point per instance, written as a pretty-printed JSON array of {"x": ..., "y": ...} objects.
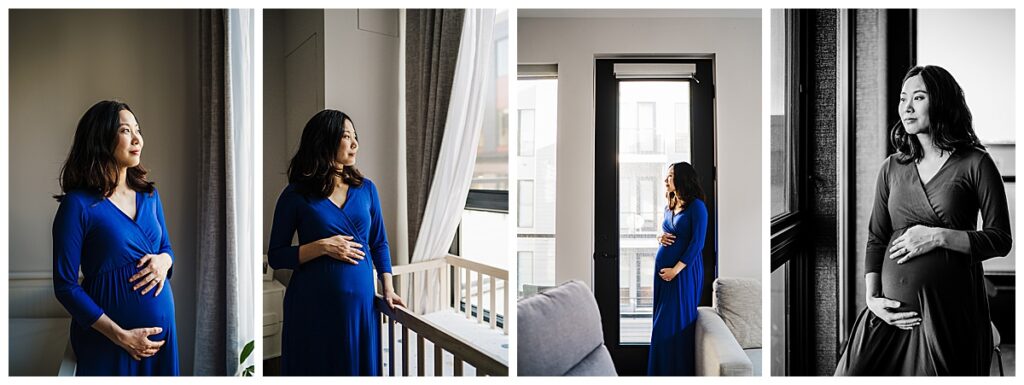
[
  {"x": 559, "y": 334},
  {"x": 728, "y": 334}
]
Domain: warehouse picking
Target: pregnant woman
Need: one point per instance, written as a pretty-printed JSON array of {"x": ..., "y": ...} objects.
[
  {"x": 679, "y": 274},
  {"x": 111, "y": 225},
  {"x": 330, "y": 324},
  {"x": 927, "y": 310}
]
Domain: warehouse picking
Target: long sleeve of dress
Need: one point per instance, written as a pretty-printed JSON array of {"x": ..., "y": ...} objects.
[
  {"x": 993, "y": 240},
  {"x": 69, "y": 230},
  {"x": 880, "y": 224},
  {"x": 165, "y": 238},
  {"x": 698, "y": 228},
  {"x": 281, "y": 253},
  {"x": 379, "y": 248}
]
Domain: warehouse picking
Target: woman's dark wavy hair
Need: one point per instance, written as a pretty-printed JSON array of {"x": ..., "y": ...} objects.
[
  {"x": 91, "y": 165},
  {"x": 952, "y": 127},
  {"x": 687, "y": 184},
  {"x": 315, "y": 165}
]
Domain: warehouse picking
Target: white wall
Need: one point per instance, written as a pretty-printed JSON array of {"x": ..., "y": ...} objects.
[
  {"x": 572, "y": 43},
  {"x": 977, "y": 47},
  {"x": 61, "y": 63}
]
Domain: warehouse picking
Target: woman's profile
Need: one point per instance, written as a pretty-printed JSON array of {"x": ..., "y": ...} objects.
[
  {"x": 330, "y": 324},
  {"x": 927, "y": 309},
  {"x": 110, "y": 225}
]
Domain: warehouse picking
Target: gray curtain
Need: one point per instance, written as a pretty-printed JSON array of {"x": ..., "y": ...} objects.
[
  {"x": 216, "y": 321},
  {"x": 431, "y": 52}
]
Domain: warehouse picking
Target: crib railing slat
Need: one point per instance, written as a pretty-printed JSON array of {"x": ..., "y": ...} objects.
[
  {"x": 479, "y": 297},
  {"x": 458, "y": 287},
  {"x": 493, "y": 306},
  {"x": 438, "y": 360},
  {"x": 469, "y": 297},
  {"x": 391, "y": 347},
  {"x": 405, "y": 350},
  {"x": 420, "y": 356},
  {"x": 504, "y": 293},
  {"x": 458, "y": 367}
]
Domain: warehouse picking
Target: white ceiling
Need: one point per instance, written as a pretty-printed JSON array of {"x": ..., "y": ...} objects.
[{"x": 639, "y": 13}]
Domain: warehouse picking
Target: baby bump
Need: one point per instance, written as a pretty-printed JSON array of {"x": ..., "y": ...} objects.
[
  {"x": 129, "y": 308},
  {"x": 935, "y": 270},
  {"x": 330, "y": 278},
  {"x": 667, "y": 256}
]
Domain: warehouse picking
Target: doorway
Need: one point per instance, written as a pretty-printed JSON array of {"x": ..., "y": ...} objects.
[{"x": 649, "y": 113}]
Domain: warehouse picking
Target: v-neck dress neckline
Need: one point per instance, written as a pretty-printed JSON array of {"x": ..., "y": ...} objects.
[
  {"x": 124, "y": 214},
  {"x": 924, "y": 184},
  {"x": 348, "y": 196}
]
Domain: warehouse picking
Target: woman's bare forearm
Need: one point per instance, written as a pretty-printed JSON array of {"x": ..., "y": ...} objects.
[
  {"x": 109, "y": 328},
  {"x": 310, "y": 251},
  {"x": 955, "y": 240},
  {"x": 385, "y": 279},
  {"x": 872, "y": 285},
  {"x": 679, "y": 266}
]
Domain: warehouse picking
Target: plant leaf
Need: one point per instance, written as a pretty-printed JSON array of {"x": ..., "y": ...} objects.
[{"x": 246, "y": 351}]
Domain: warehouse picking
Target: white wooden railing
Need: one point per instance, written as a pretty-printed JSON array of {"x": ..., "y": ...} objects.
[{"x": 464, "y": 286}]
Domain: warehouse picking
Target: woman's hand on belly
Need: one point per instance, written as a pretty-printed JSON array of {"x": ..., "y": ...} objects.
[
  {"x": 154, "y": 274},
  {"x": 916, "y": 241},
  {"x": 134, "y": 341},
  {"x": 669, "y": 273},
  {"x": 881, "y": 306},
  {"x": 666, "y": 239},
  {"x": 342, "y": 248}
]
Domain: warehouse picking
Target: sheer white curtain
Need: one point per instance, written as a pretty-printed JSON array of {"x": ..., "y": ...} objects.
[
  {"x": 240, "y": 267},
  {"x": 474, "y": 80}
]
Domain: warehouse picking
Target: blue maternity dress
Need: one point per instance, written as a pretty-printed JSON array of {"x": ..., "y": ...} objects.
[
  {"x": 675, "y": 301},
  {"x": 330, "y": 324},
  {"x": 90, "y": 232}
]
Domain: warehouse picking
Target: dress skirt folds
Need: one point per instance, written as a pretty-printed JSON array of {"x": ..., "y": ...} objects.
[
  {"x": 330, "y": 324},
  {"x": 945, "y": 287},
  {"x": 675, "y": 302},
  {"x": 91, "y": 233}
]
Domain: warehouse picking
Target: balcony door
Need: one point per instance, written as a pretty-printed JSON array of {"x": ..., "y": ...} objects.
[{"x": 649, "y": 113}]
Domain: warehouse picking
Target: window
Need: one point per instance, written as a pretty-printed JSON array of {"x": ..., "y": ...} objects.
[
  {"x": 682, "y": 128},
  {"x": 791, "y": 296},
  {"x": 643, "y": 163},
  {"x": 645, "y": 125},
  {"x": 783, "y": 138},
  {"x": 526, "y": 198},
  {"x": 537, "y": 96},
  {"x": 526, "y": 117},
  {"x": 483, "y": 230},
  {"x": 484, "y": 226}
]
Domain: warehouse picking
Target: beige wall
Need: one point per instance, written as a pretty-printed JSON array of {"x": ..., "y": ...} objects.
[
  {"x": 361, "y": 78},
  {"x": 62, "y": 62},
  {"x": 573, "y": 42}
]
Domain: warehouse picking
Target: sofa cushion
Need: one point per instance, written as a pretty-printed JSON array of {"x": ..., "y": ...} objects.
[
  {"x": 738, "y": 302},
  {"x": 557, "y": 330},
  {"x": 597, "y": 363}
]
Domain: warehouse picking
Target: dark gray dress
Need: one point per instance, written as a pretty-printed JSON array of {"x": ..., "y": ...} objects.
[{"x": 945, "y": 287}]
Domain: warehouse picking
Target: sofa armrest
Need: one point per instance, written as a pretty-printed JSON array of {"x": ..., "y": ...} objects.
[
  {"x": 68, "y": 363},
  {"x": 718, "y": 352}
]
